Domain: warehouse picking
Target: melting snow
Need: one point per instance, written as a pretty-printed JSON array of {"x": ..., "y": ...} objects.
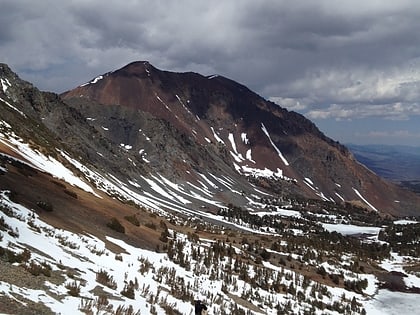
[
  {"x": 350, "y": 229},
  {"x": 406, "y": 222},
  {"x": 261, "y": 173},
  {"x": 208, "y": 181},
  {"x": 232, "y": 142},
  {"x": 144, "y": 135},
  {"x": 309, "y": 181},
  {"x": 183, "y": 105},
  {"x": 244, "y": 138},
  {"x": 47, "y": 164},
  {"x": 5, "y": 84},
  {"x": 274, "y": 146},
  {"x": 164, "y": 104},
  {"x": 281, "y": 212},
  {"x": 218, "y": 139},
  {"x": 95, "y": 80},
  {"x": 249, "y": 156},
  {"x": 363, "y": 198},
  {"x": 12, "y": 107},
  {"x": 339, "y": 196},
  {"x": 224, "y": 182},
  {"x": 387, "y": 302}
]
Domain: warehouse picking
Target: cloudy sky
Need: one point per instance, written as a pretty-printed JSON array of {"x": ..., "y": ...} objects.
[{"x": 352, "y": 67}]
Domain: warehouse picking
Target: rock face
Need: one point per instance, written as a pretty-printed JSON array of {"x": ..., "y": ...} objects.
[
  {"x": 209, "y": 133},
  {"x": 214, "y": 124}
]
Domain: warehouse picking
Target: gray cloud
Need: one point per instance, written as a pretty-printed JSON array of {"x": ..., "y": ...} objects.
[{"x": 326, "y": 59}]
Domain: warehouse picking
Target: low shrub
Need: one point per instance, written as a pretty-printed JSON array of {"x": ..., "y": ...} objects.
[
  {"x": 128, "y": 290},
  {"x": 45, "y": 205},
  {"x": 151, "y": 225},
  {"x": 132, "y": 219},
  {"x": 70, "y": 193},
  {"x": 37, "y": 270},
  {"x": 107, "y": 280},
  {"x": 13, "y": 257},
  {"x": 73, "y": 288},
  {"x": 115, "y": 225}
]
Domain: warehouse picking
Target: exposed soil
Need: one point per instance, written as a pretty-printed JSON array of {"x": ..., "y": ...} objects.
[{"x": 394, "y": 281}]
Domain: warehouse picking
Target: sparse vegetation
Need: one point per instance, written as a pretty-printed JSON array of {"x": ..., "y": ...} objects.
[
  {"x": 129, "y": 289},
  {"x": 116, "y": 225},
  {"x": 14, "y": 257},
  {"x": 38, "y": 269},
  {"x": 132, "y": 219},
  {"x": 45, "y": 205},
  {"x": 70, "y": 193},
  {"x": 122, "y": 310},
  {"x": 151, "y": 225},
  {"x": 73, "y": 288},
  {"x": 103, "y": 277}
]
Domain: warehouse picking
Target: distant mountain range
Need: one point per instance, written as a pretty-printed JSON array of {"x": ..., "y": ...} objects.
[{"x": 398, "y": 163}]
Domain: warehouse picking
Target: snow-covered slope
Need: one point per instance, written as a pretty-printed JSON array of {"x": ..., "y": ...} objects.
[{"x": 111, "y": 209}]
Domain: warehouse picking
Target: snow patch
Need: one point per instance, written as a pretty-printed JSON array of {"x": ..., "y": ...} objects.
[
  {"x": 95, "y": 80},
  {"x": 406, "y": 222},
  {"x": 274, "y": 146},
  {"x": 350, "y": 229},
  {"x": 13, "y": 107},
  {"x": 244, "y": 138},
  {"x": 364, "y": 199},
  {"x": 307, "y": 179},
  {"x": 5, "y": 84},
  {"x": 248, "y": 156},
  {"x": 126, "y": 146},
  {"x": 218, "y": 139}
]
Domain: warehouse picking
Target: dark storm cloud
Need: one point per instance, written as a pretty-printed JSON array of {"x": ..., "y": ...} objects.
[{"x": 327, "y": 59}]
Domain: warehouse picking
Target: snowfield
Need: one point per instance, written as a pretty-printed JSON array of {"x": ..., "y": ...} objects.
[{"x": 349, "y": 229}]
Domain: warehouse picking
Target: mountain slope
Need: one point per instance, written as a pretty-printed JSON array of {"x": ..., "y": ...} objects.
[
  {"x": 124, "y": 209},
  {"x": 236, "y": 129}
]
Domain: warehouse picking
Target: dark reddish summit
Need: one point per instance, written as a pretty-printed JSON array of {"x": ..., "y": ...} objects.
[{"x": 216, "y": 111}]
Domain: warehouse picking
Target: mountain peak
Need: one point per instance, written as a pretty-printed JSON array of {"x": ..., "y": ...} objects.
[
  {"x": 4, "y": 68},
  {"x": 178, "y": 175},
  {"x": 207, "y": 117},
  {"x": 6, "y": 75},
  {"x": 136, "y": 67}
]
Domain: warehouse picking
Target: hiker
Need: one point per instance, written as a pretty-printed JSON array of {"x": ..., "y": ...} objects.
[{"x": 200, "y": 308}]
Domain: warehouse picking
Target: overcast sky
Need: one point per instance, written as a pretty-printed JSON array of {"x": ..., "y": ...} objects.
[{"x": 352, "y": 67}]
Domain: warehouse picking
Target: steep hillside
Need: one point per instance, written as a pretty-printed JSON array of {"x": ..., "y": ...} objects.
[
  {"x": 219, "y": 126},
  {"x": 146, "y": 190}
]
